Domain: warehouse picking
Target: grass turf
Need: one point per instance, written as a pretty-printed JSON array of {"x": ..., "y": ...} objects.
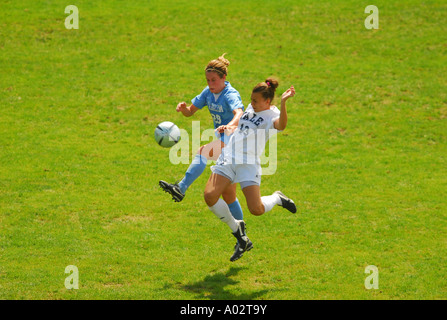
[{"x": 364, "y": 154}]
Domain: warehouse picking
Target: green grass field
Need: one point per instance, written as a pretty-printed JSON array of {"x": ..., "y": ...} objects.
[{"x": 364, "y": 155}]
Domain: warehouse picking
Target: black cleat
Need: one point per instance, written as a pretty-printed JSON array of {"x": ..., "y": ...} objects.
[
  {"x": 286, "y": 203},
  {"x": 243, "y": 243},
  {"x": 237, "y": 243},
  {"x": 173, "y": 189},
  {"x": 238, "y": 251}
]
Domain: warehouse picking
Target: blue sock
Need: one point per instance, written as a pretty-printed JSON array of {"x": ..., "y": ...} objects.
[
  {"x": 194, "y": 171},
  {"x": 236, "y": 210}
]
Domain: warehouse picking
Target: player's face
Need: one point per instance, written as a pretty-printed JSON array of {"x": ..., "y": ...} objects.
[
  {"x": 258, "y": 102},
  {"x": 215, "y": 82}
]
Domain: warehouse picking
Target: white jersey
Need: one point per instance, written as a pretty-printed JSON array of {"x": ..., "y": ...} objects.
[{"x": 247, "y": 143}]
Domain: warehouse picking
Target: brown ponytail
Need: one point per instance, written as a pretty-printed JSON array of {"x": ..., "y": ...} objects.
[{"x": 267, "y": 88}]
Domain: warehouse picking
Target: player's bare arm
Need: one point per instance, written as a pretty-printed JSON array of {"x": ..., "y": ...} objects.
[
  {"x": 226, "y": 129},
  {"x": 185, "y": 110},
  {"x": 232, "y": 125},
  {"x": 281, "y": 123},
  {"x": 237, "y": 115}
]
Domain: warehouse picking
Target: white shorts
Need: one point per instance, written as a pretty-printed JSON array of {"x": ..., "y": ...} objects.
[{"x": 245, "y": 174}]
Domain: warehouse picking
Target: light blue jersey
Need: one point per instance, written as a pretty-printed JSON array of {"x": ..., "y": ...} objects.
[{"x": 221, "y": 109}]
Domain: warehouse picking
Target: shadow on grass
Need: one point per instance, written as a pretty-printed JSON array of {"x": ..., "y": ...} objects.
[{"x": 214, "y": 287}]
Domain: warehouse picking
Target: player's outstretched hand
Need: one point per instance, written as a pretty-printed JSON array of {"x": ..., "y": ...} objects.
[
  {"x": 181, "y": 106},
  {"x": 227, "y": 129},
  {"x": 289, "y": 93}
]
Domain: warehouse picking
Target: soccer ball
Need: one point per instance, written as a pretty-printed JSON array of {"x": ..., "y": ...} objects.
[{"x": 167, "y": 134}]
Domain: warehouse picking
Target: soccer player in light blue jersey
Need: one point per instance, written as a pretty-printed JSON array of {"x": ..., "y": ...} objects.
[{"x": 225, "y": 106}]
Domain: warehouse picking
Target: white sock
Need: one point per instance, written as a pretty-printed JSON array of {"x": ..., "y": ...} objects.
[
  {"x": 270, "y": 201},
  {"x": 221, "y": 210}
]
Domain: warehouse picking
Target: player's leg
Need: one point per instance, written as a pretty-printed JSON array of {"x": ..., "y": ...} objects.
[
  {"x": 214, "y": 188},
  {"x": 210, "y": 151},
  {"x": 214, "y": 149},
  {"x": 207, "y": 152},
  {"x": 252, "y": 195},
  {"x": 286, "y": 202},
  {"x": 229, "y": 195},
  {"x": 245, "y": 244},
  {"x": 259, "y": 205}
]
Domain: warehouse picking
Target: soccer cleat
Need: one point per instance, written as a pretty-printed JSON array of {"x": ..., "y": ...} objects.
[
  {"x": 243, "y": 243},
  {"x": 286, "y": 202},
  {"x": 237, "y": 243},
  {"x": 173, "y": 189}
]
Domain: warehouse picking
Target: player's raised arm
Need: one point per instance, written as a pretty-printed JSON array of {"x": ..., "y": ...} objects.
[
  {"x": 185, "y": 110},
  {"x": 281, "y": 123}
]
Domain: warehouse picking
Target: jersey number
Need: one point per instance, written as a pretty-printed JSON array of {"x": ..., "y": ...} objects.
[
  {"x": 244, "y": 129},
  {"x": 216, "y": 118}
]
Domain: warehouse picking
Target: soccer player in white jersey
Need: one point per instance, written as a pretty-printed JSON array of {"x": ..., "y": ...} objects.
[
  {"x": 225, "y": 106},
  {"x": 239, "y": 161}
]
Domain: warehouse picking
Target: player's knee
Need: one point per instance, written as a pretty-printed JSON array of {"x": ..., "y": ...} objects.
[
  {"x": 256, "y": 210},
  {"x": 229, "y": 196},
  {"x": 210, "y": 197},
  {"x": 205, "y": 151},
  {"x": 200, "y": 150}
]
